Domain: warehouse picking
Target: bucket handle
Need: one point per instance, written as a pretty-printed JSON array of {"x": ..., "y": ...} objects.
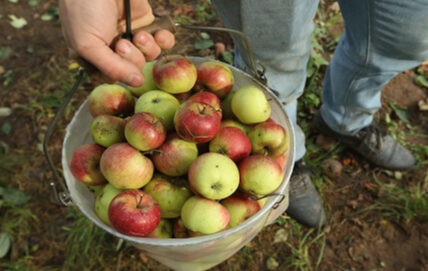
[{"x": 276, "y": 205}]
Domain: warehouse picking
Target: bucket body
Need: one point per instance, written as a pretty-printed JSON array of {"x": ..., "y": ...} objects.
[{"x": 196, "y": 253}]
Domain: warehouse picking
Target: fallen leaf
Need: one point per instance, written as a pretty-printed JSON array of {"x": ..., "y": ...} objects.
[
  {"x": 144, "y": 257},
  {"x": 423, "y": 105},
  {"x": 5, "y": 111},
  {"x": 17, "y": 22},
  {"x": 272, "y": 263},
  {"x": 420, "y": 80},
  {"x": 13, "y": 1},
  {"x": 33, "y": 3},
  {"x": 280, "y": 236},
  {"x": 4, "y": 244},
  {"x": 346, "y": 161},
  {"x": 324, "y": 142},
  {"x": 1, "y": 70}
]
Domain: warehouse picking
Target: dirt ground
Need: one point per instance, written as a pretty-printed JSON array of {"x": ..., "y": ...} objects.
[{"x": 373, "y": 220}]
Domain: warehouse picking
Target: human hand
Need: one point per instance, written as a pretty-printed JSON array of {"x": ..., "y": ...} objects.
[{"x": 90, "y": 26}]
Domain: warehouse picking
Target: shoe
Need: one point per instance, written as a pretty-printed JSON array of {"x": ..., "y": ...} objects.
[
  {"x": 373, "y": 144},
  {"x": 305, "y": 203}
]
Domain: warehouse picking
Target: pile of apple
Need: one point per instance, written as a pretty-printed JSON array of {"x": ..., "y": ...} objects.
[{"x": 183, "y": 155}]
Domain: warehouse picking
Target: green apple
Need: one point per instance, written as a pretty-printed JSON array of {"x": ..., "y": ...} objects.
[
  {"x": 161, "y": 104},
  {"x": 102, "y": 201},
  {"x": 214, "y": 176},
  {"x": 163, "y": 230},
  {"x": 149, "y": 83},
  {"x": 269, "y": 138},
  {"x": 204, "y": 215},
  {"x": 226, "y": 106},
  {"x": 250, "y": 106},
  {"x": 107, "y": 130},
  {"x": 234, "y": 123},
  {"x": 260, "y": 175},
  {"x": 170, "y": 194}
]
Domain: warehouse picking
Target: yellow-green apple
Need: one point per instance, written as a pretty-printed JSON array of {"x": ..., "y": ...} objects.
[
  {"x": 85, "y": 163},
  {"x": 179, "y": 230},
  {"x": 234, "y": 123},
  {"x": 103, "y": 199},
  {"x": 260, "y": 175},
  {"x": 134, "y": 212},
  {"x": 226, "y": 106},
  {"x": 125, "y": 167},
  {"x": 144, "y": 131},
  {"x": 240, "y": 208},
  {"x": 232, "y": 142},
  {"x": 204, "y": 215},
  {"x": 269, "y": 138},
  {"x": 174, "y": 74},
  {"x": 161, "y": 104},
  {"x": 107, "y": 130},
  {"x": 149, "y": 83},
  {"x": 213, "y": 176},
  {"x": 207, "y": 98},
  {"x": 169, "y": 193},
  {"x": 250, "y": 106},
  {"x": 109, "y": 99},
  {"x": 163, "y": 230},
  {"x": 281, "y": 159},
  {"x": 216, "y": 77},
  {"x": 196, "y": 122},
  {"x": 174, "y": 156}
]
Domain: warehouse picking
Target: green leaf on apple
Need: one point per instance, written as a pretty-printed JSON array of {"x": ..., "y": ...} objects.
[
  {"x": 6, "y": 128},
  {"x": 4, "y": 244},
  {"x": 15, "y": 197},
  {"x": 203, "y": 44}
]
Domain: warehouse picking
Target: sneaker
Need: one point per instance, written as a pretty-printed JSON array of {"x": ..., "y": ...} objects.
[
  {"x": 373, "y": 144},
  {"x": 305, "y": 203}
]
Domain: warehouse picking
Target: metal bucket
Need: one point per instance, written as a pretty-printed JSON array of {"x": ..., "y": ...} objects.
[{"x": 184, "y": 254}]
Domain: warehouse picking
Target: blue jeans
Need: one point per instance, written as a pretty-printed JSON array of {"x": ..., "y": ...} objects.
[{"x": 382, "y": 38}]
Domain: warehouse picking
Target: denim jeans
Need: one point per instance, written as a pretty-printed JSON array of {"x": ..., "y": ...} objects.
[{"x": 382, "y": 38}]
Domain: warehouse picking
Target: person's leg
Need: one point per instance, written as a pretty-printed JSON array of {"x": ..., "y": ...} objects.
[
  {"x": 279, "y": 35},
  {"x": 382, "y": 38}
]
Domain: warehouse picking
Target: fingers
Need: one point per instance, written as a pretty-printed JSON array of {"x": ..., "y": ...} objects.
[
  {"x": 114, "y": 65},
  {"x": 147, "y": 45},
  {"x": 164, "y": 39},
  {"x": 129, "y": 52}
]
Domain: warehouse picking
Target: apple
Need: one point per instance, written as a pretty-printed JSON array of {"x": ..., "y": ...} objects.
[
  {"x": 204, "y": 215},
  {"x": 125, "y": 167},
  {"x": 207, "y": 98},
  {"x": 174, "y": 74},
  {"x": 102, "y": 201},
  {"x": 260, "y": 175},
  {"x": 169, "y": 193},
  {"x": 240, "y": 208},
  {"x": 234, "y": 123},
  {"x": 163, "y": 230},
  {"x": 182, "y": 97},
  {"x": 195, "y": 233},
  {"x": 149, "y": 83},
  {"x": 216, "y": 77},
  {"x": 161, "y": 104},
  {"x": 107, "y": 130},
  {"x": 250, "y": 106},
  {"x": 269, "y": 138},
  {"x": 85, "y": 164},
  {"x": 174, "y": 156},
  {"x": 109, "y": 99},
  {"x": 135, "y": 213},
  {"x": 179, "y": 231},
  {"x": 214, "y": 176},
  {"x": 226, "y": 106},
  {"x": 281, "y": 159},
  {"x": 144, "y": 131},
  {"x": 196, "y": 122},
  {"x": 232, "y": 142}
]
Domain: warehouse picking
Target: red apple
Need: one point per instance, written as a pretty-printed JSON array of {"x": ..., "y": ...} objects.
[
  {"x": 125, "y": 167},
  {"x": 216, "y": 77},
  {"x": 182, "y": 97},
  {"x": 113, "y": 100},
  {"x": 207, "y": 98},
  {"x": 175, "y": 156},
  {"x": 232, "y": 142},
  {"x": 269, "y": 138},
  {"x": 144, "y": 131},
  {"x": 260, "y": 175},
  {"x": 133, "y": 212},
  {"x": 196, "y": 122},
  {"x": 85, "y": 164},
  {"x": 174, "y": 74},
  {"x": 281, "y": 159},
  {"x": 240, "y": 208}
]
